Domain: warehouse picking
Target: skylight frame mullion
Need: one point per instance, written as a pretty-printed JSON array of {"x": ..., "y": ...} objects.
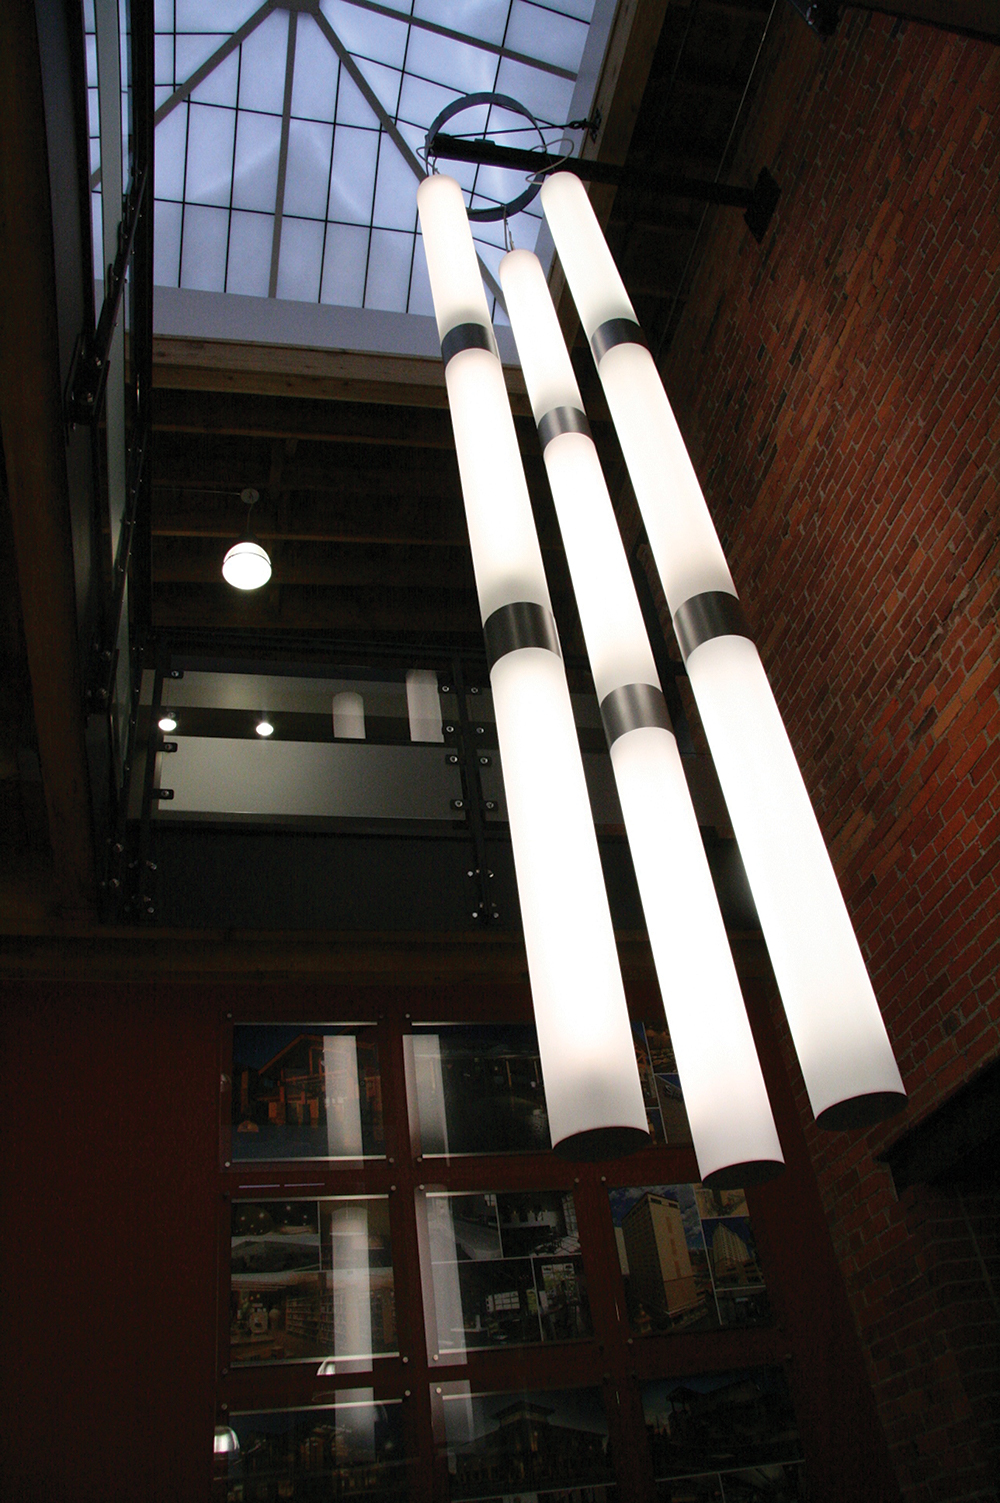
[
  {"x": 232, "y": 178},
  {"x": 461, "y": 36},
  {"x": 329, "y": 185},
  {"x": 286, "y": 116}
]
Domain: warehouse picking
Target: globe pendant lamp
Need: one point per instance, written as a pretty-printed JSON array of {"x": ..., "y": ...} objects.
[
  {"x": 592, "y": 1090},
  {"x": 247, "y": 565},
  {"x": 837, "y": 1029},
  {"x": 724, "y": 1094}
]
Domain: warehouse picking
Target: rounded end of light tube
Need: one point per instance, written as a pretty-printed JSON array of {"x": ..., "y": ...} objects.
[
  {"x": 862, "y": 1111},
  {"x": 598, "y": 1144},
  {"x": 745, "y": 1175},
  {"x": 246, "y": 566},
  {"x": 264, "y": 728},
  {"x": 227, "y": 1442},
  {"x": 167, "y": 723}
]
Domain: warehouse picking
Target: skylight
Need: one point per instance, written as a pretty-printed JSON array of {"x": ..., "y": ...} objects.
[{"x": 289, "y": 133}]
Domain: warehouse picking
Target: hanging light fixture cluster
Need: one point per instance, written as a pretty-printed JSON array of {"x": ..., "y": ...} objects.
[{"x": 588, "y": 1063}]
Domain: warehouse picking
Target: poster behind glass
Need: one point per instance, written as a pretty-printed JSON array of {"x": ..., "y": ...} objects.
[
  {"x": 353, "y": 1448},
  {"x": 311, "y": 1280},
  {"x": 305, "y": 1091},
  {"x": 547, "y": 1446},
  {"x": 506, "y": 1270},
  {"x": 688, "y": 1257},
  {"x": 661, "y": 1084},
  {"x": 726, "y": 1437}
]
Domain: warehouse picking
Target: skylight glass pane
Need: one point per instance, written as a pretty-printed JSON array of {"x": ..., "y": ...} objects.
[
  {"x": 395, "y": 191},
  {"x": 203, "y": 248},
  {"x": 220, "y": 85},
  {"x": 485, "y": 19},
  {"x": 161, "y": 94},
  {"x": 367, "y": 34},
  {"x": 307, "y": 176},
  {"x": 547, "y": 97},
  {"x": 389, "y": 271},
  {"x": 420, "y": 287},
  {"x": 163, "y": 13},
  {"x": 195, "y": 15},
  {"x": 192, "y": 51},
  {"x": 352, "y": 106},
  {"x": 314, "y": 83},
  {"x": 583, "y": 10},
  {"x": 539, "y": 32},
  {"x": 255, "y": 180},
  {"x": 163, "y": 60},
  {"x": 299, "y": 259},
  {"x": 167, "y": 244},
  {"x": 421, "y": 102},
  {"x": 262, "y": 68},
  {"x": 97, "y": 233},
  {"x": 465, "y": 69},
  {"x": 93, "y": 113},
  {"x": 344, "y": 265},
  {"x": 91, "y": 46},
  {"x": 353, "y": 186},
  {"x": 94, "y": 145},
  {"x": 250, "y": 237},
  {"x": 168, "y": 155},
  {"x": 385, "y": 83},
  {"x": 88, "y": 15},
  {"x": 210, "y": 154}
]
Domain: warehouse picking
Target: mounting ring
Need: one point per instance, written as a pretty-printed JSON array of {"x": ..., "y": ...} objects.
[{"x": 467, "y": 102}]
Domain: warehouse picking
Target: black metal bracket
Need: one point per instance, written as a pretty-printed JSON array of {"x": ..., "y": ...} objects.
[{"x": 89, "y": 371}]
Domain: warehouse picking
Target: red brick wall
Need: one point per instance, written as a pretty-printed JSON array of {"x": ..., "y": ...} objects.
[{"x": 838, "y": 387}]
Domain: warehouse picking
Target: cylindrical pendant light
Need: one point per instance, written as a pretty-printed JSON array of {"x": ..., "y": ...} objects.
[
  {"x": 349, "y": 715},
  {"x": 592, "y": 1089},
  {"x": 731, "y": 1124},
  {"x": 839, "y": 1036}
]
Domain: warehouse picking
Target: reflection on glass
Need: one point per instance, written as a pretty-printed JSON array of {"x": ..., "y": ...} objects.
[
  {"x": 549, "y": 1447},
  {"x": 305, "y": 1093},
  {"x": 352, "y": 1448},
  {"x": 730, "y": 1436},
  {"x": 505, "y": 1270},
  {"x": 661, "y": 1084},
  {"x": 311, "y": 1279},
  {"x": 479, "y": 1090},
  {"x": 688, "y": 1258},
  {"x": 423, "y": 705}
]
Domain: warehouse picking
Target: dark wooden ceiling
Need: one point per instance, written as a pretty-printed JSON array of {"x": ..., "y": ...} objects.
[{"x": 360, "y": 506}]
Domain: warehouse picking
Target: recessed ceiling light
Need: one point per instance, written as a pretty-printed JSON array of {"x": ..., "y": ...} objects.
[
  {"x": 167, "y": 722},
  {"x": 265, "y": 728}
]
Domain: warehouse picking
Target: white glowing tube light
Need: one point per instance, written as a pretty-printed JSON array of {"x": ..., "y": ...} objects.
[
  {"x": 731, "y": 1124},
  {"x": 592, "y": 1089},
  {"x": 839, "y": 1036}
]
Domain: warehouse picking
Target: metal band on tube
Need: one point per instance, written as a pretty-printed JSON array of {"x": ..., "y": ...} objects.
[
  {"x": 632, "y": 707},
  {"x": 616, "y": 331},
  {"x": 467, "y": 337},
  {"x": 523, "y": 623},
  {"x": 713, "y": 614},
  {"x": 562, "y": 420}
]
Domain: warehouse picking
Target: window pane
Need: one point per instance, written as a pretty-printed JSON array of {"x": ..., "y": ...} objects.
[
  {"x": 250, "y": 239},
  {"x": 210, "y": 155},
  {"x": 304, "y": 1092},
  {"x": 689, "y": 1259},
  {"x": 194, "y": 15},
  {"x": 203, "y": 252},
  {"x": 395, "y": 191},
  {"x": 354, "y": 156},
  {"x": 220, "y": 85},
  {"x": 300, "y": 259},
  {"x": 539, "y": 32},
  {"x": 311, "y": 1280},
  {"x": 167, "y": 244},
  {"x": 262, "y": 67},
  {"x": 344, "y": 265},
  {"x": 547, "y": 98},
  {"x": 255, "y": 180},
  {"x": 389, "y": 270},
  {"x": 307, "y": 177},
  {"x": 464, "y": 69},
  {"x": 170, "y": 148},
  {"x": 505, "y": 1269},
  {"x": 366, "y": 33},
  {"x": 314, "y": 87},
  {"x": 192, "y": 51}
]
